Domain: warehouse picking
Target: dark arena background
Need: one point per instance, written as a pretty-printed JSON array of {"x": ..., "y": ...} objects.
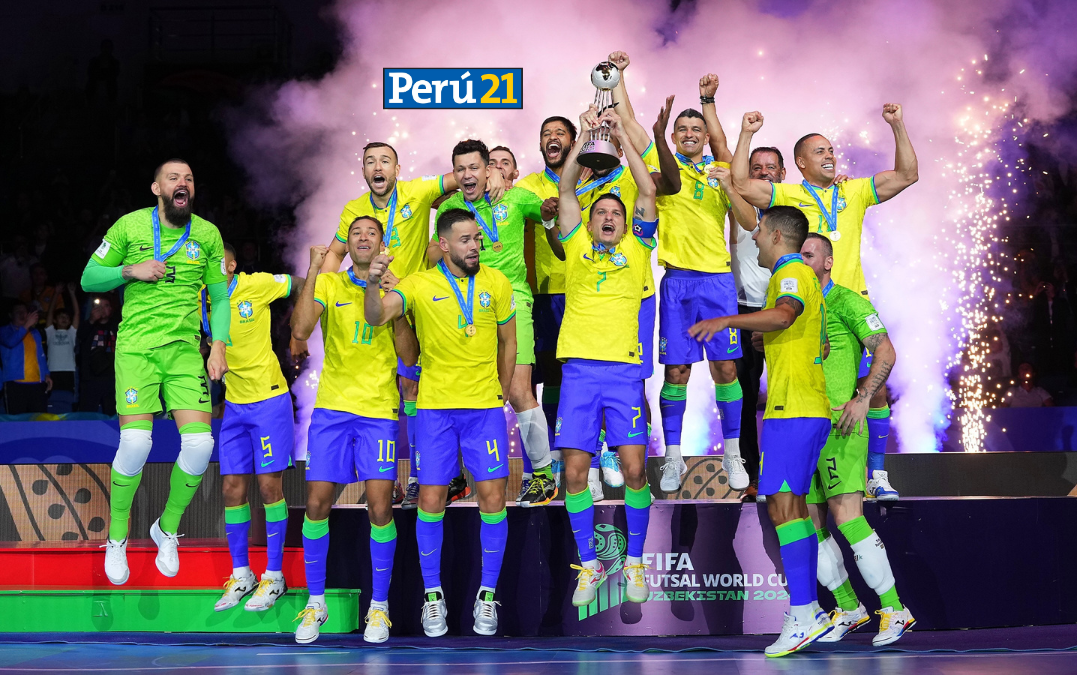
[{"x": 271, "y": 104}]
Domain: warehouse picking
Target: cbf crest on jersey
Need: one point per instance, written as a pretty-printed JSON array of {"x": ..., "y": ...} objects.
[
  {"x": 616, "y": 190},
  {"x": 246, "y": 309},
  {"x": 193, "y": 250},
  {"x": 484, "y": 300},
  {"x": 619, "y": 259},
  {"x": 405, "y": 212},
  {"x": 501, "y": 212},
  {"x": 131, "y": 396},
  {"x": 713, "y": 182}
]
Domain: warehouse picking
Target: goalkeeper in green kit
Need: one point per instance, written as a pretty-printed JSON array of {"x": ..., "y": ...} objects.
[{"x": 162, "y": 256}]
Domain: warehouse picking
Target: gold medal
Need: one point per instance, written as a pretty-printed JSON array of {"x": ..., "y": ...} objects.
[
  {"x": 498, "y": 246},
  {"x": 470, "y": 330}
]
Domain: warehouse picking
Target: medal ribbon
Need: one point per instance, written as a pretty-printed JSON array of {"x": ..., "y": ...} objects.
[
  {"x": 466, "y": 307},
  {"x": 831, "y": 217},
  {"x": 829, "y": 285},
  {"x": 361, "y": 283},
  {"x": 232, "y": 285},
  {"x": 582, "y": 189},
  {"x": 491, "y": 234},
  {"x": 787, "y": 258},
  {"x": 388, "y": 236},
  {"x": 698, "y": 168},
  {"x": 157, "y": 238}
]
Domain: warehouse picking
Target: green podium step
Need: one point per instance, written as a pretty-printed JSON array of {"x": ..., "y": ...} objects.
[{"x": 167, "y": 610}]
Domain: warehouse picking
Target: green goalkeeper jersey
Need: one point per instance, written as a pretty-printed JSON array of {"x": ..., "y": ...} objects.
[{"x": 850, "y": 319}]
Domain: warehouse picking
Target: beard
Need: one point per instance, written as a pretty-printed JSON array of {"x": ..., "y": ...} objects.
[
  {"x": 470, "y": 270},
  {"x": 559, "y": 162},
  {"x": 175, "y": 214}
]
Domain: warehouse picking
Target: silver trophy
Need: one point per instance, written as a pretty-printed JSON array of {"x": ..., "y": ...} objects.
[{"x": 599, "y": 154}]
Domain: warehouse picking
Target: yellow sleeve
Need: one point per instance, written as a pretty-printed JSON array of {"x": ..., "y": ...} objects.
[
  {"x": 781, "y": 194},
  {"x": 650, "y": 158},
  {"x": 323, "y": 290},
  {"x": 506, "y": 302},
  {"x": 791, "y": 284},
  {"x": 278, "y": 286},
  {"x": 428, "y": 189},
  {"x": 864, "y": 190},
  {"x": 407, "y": 288}
]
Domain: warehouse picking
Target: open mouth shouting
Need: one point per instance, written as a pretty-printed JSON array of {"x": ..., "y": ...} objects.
[
  {"x": 608, "y": 229},
  {"x": 553, "y": 152},
  {"x": 470, "y": 186},
  {"x": 379, "y": 182},
  {"x": 181, "y": 197}
]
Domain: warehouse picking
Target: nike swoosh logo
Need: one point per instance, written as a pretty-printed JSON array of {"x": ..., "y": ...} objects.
[
  {"x": 192, "y": 486},
  {"x": 802, "y": 204},
  {"x": 486, "y": 550},
  {"x": 122, "y": 485},
  {"x": 730, "y": 350},
  {"x": 585, "y": 257},
  {"x": 272, "y": 535},
  {"x": 633, "y": 435},
  {"x": 437, "y": 299},
  {"x": 310, "y": 562},
  {"x": 494, "y": 468},
  {"x": 341, "y": 304},
  {"x": 831, "y": 487},
  {"x": 265, "y": 464},
  {"x": 144, "y": 248},
  {"x": 634, "y": 534},
  {"x": 425, "y": 553},
  {"x": 383, "y": 469}
]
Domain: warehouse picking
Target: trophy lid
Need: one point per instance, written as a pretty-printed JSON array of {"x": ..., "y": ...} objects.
[{"x": 605, "y": 75}]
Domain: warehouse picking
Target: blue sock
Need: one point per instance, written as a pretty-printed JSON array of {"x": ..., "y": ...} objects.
[
  {"x": 493, "y": 535},
  {"x": 730, "y": 399},
  {"x": 878, "y": 430},
  {"x": 410, "y": 412},
  {"x": 581, "y": 516},
  {"x": 315, "y": 551},
  {"x": 382, "y": 550},
  {"x": 237, "y": 526},
  {"x": 429, "y": 531},
  {"x": 800, "y": 558},
  {"x": 276, "y": 528},
  {"x": 673, "y": 402},
  {"x": 637, "y": 517}
]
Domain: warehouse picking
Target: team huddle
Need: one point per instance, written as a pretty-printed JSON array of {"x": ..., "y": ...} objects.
[{"x": 542, "y": 279}]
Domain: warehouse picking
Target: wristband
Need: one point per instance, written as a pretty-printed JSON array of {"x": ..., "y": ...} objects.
[
  {"x": 706, "y": 99},
  {"x": 550, "y": 224}
]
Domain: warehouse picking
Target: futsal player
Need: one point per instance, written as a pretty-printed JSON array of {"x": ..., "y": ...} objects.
[
  {"x": 502, "y": 159},
  {"x": 797, "y": 420},
  {"x": 465, "y": 319},
  {"x": 837, "y": 210},
  {"x": 354, "y": 426}
]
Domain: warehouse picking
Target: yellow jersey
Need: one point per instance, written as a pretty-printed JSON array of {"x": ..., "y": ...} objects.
[
  {"x": 253, "y": 369},
  {"x": 852, "y": 202},
  {"x": 795, "y": 383},
  {"x": 409, "y": 219},
  {"x": 458, "y": 371},
  {"x": 692, "y": 235},
  {"x": 602, "y": 297},
  {"x": 549, "y": 271},
  {"x": 359, "y": 369}
]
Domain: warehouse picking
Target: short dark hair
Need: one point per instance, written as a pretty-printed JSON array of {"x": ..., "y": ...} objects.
[
  {"x": 767, "y": 148},
  {"x": 451, "y": 217},
  {"x": 828, "y": 248},
  {"x": 690, "y": 113},
  {"x": 160, "y": 166},
  {"x": 608, "y": 195},
  {"x": 804, "y": 139},
  {"x": 379, "y": 144},
  {"x": 468, "y": 146},
  {"x": 503, "y": 148},
  {"x": 790, "y": 221},
  {"x": 563, "y": 120},
  {"x": 228, "y": 248},
  {"x": 63, "y": 310},
  {"x": 377, "y": 224}
]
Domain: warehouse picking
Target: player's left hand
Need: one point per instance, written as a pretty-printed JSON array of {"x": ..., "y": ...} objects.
[
  {"x": 389, "y": 280},
  {"x": 611, "y": 118},
  {"x": 854, "y": 415},
  {"x": 705, "y": 330},
  {"x": 619, "y": 59},
  {"x": 495, "y": 184},
  {"x": 662, "y": 122},
  {"x": 708, "y": 85},
  {"x": 840, "y": 178},
  {"x": 217, "y": 364},
  {"x": 892, "y": 112},
  {"x": 722, "y": 175},
  {"x": 379, "y": 267},
  {"x": 549, "y": 208}
]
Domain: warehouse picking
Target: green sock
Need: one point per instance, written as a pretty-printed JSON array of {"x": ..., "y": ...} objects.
[
  {"x": 890, "y": 599},
  {"x": 181, "y": 489},
  {"x": 121, "y": 495},
  {"x": 846, "y": 596},
  {"x": 544, "y": 471}
]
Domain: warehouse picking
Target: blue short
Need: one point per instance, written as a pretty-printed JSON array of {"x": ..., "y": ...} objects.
[
  {"x": 257, "y": 437},
  {"x": 646, "y": 336},
  {"x": 865, "y": 364},
  {"x": 480, "y": 436},
  {"x": 690, "y": 297},
  {"x": 347, "y": 448},
  {"x": 789, "y": 453},
  {"x": 547, "y": 314},
  {"x": 595, "y": 390},
  {"x": 408, "y": 372}
]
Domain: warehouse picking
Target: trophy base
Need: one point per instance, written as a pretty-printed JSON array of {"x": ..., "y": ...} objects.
[{"x": 598, "y": 155}]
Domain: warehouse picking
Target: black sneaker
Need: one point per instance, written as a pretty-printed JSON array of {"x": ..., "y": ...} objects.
[
  {"x": 540, "y": 491},
  {"x": 458, "y": 489},
  {"x": 411, "y": 497}
]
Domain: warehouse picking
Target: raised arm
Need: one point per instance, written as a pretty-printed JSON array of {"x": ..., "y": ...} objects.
[
  {"x": 755, "y": 191},
  {"x": 644, "y": 208},
  {"x": 743, "y": 212},
  {"x": 708, "y": 87},
  {"x": 57, "y": 293},
  {"x": 668, "y": 180},
  {"x": 906, "y": 172},
  {"x": 569, "y": 214},
  {"x": 297, "y": 284},
  {"x": 307, "y": 310},
  {"x": 379, "y": 309},
  {"x": 635, "y": 130}
]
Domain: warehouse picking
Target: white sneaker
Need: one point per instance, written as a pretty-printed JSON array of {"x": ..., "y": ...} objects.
[
  {"x": 434, "y": 611},
  {"x": 235, "y": 590},
  {"x": 167, "y": 549},
  {"x": 310, "y": 623},
  {"x": 587, "y": 584},
  {"x": 845, "y": 622},
  {"x": 485, "y": 613},
  {"x": 377, "y": 623},
  {"x": 268, "y": 592},
  {"x": 879, "y": 487},
  {"x": 892, "y": 625},
  {"x": 594, "y": 484},
  {"x": 636, "y": 583},
  {"x": 672, "y": 471},
  {"x": 611, "y": 468},
  {"x": 760, "y": 499},
  {"x": 797, "y": 636},
  {"x": 734, "y": 468},
  {"x": 116, "y": 561}
]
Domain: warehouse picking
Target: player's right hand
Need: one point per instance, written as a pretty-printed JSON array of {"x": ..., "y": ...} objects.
[
  {"x": 317, "y": 256},
  {"x": 619, "y": 59},
  {"x": 589, "y": 118},
  {"x": 708, "y": 85},
  {"x": 31, "y": 320},
  {"x": 148, "y": 270},
  {"x": 378, "y": 267},
  {"x": 753, "y": 121},
  {"x": 299, "y": 350},
  {"x": 549, "y": 208},
  {"x": 662, "y": 122}
]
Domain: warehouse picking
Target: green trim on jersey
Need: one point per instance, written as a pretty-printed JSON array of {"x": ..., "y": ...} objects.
[{"x": 850, "y": 319}]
